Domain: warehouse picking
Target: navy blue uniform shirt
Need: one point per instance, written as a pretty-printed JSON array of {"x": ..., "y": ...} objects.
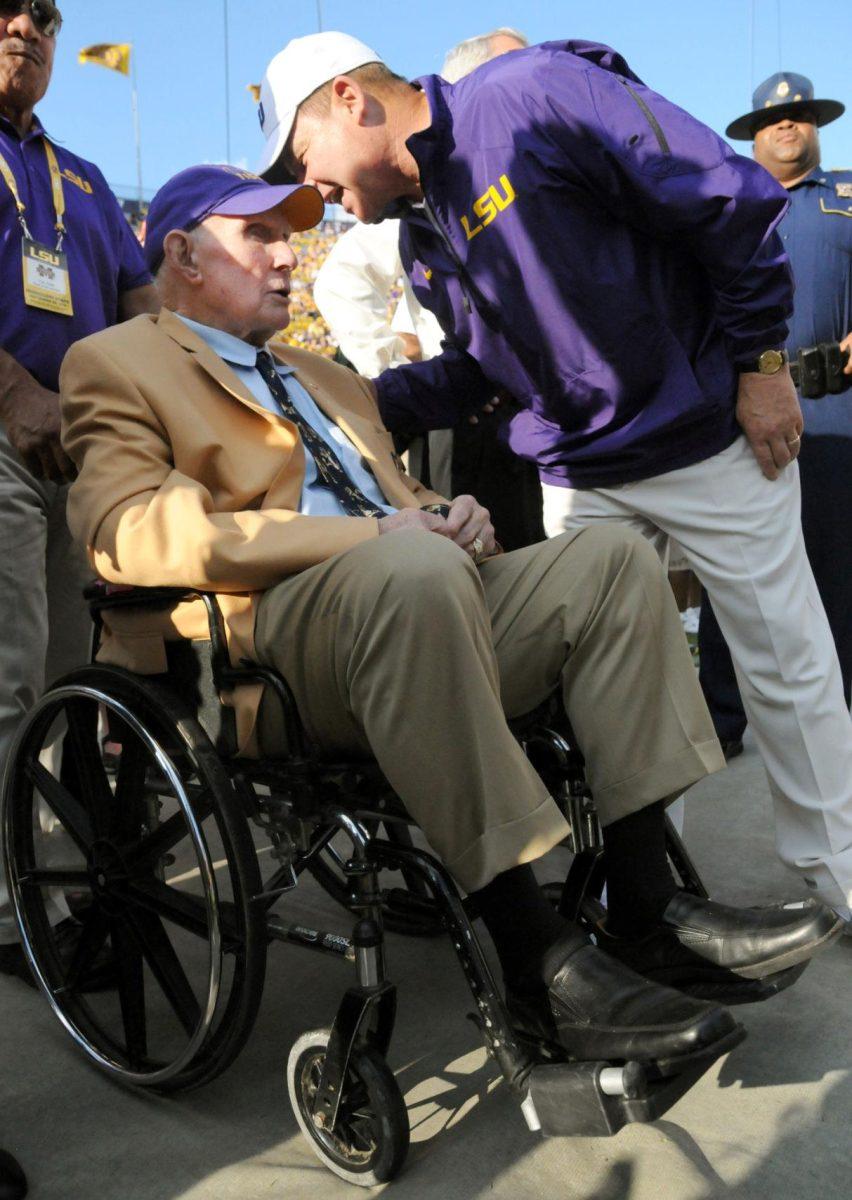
[
  {"x": 104, "y": 257},
  {"x": 817, "y": 235}
]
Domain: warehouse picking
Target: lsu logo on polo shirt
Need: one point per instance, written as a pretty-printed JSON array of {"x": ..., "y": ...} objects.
[
  {"x": 82, "y": 184},
  {"x": 488, "y": 206}
]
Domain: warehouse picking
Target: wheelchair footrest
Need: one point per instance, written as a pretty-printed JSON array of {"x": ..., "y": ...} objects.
[
  {"x": 574, "y": 1100},
  {"x": 747, "y": 991},
  {"x": 596, "y": 1099}
]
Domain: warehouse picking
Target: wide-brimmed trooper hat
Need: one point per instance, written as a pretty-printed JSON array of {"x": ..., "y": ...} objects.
[
  {"x": 304, "y": 65},
  {"x": 783, "y": 94}
]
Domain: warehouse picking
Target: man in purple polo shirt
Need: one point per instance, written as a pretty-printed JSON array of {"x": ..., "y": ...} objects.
[
  {"x": 70, "y": 267},
  {"x": 611, "y": 262}
]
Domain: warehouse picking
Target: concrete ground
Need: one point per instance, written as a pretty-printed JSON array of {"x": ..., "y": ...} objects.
[{"x": 772, "y": 1121}]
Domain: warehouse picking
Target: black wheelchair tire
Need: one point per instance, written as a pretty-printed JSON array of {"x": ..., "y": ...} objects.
[
  {"x": 169, "y": 721},
  {"x": 378, "y": 1113}
]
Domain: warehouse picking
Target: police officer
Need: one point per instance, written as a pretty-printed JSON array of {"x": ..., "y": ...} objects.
[
  {"x": 70, "y": 266},
  {"x": 817, "y": 235}
]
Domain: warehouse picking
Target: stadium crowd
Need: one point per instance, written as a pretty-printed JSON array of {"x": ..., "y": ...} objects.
[{"x": 307, "y": 327}]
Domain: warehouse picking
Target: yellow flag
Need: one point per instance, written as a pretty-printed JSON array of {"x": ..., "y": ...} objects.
[
  {"x": 254, "y": 88},
  {"x": 114, "y": 55}
]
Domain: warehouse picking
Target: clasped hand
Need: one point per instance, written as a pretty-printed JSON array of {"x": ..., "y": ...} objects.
[{"x": 468, "y": 525}]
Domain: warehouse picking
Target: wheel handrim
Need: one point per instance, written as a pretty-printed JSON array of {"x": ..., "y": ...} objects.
[{"x": 139, "y": 934}]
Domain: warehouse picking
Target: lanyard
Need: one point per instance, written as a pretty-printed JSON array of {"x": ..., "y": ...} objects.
[{"x": 56, "y": 186}]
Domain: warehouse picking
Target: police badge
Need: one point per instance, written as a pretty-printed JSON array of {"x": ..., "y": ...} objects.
[{"x": 844, "y": 190}]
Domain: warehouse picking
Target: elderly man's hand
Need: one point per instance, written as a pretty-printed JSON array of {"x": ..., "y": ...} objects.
[
  {"x": 412, "y": 518},
  {"x": 469, "y": 526},
  {"x": 846, "y": 344},
  {"x": 769, "y": 413},
  {"x": 30, "y": 416}
]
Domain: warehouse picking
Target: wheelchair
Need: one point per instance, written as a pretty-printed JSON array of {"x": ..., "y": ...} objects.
[{"x": 161, "y": 865}]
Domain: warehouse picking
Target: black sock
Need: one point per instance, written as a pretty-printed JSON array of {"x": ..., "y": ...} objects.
[
  {"x": 523, "y": 925},
  {"x": 639, "y": 880}
]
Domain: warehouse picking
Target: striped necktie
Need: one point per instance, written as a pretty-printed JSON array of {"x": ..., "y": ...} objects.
[{"x": 329, "y": 467}]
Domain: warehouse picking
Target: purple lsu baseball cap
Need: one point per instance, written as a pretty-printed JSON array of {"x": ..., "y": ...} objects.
[{"x": 191, "y": 196}]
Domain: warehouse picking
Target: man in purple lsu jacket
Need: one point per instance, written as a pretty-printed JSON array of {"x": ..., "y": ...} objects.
[{"x": 612, "y": 263}]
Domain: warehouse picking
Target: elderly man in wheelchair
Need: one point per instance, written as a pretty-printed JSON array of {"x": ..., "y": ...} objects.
[{"x": 294, "y": 632}]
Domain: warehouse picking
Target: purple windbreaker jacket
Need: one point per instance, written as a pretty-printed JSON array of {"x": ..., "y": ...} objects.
[{"x": 596, "y": 251}]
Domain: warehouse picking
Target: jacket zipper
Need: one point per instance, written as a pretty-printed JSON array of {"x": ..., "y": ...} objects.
[
  {"x": 464, "y": 279},
  {"x": 649, "y": 117}
]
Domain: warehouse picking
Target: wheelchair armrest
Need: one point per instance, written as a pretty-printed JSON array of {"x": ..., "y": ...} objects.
[{"x": 102, "y": 596}]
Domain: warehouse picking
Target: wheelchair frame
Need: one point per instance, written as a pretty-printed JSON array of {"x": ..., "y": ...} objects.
[{"x": 309, "y": 802}]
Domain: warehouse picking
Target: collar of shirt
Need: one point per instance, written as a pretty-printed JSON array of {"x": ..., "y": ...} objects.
[
  {"x": 818, "y": 177},
  {"x": 317, "y": 499},
  {"x": 36, "y": 130},
  {"x": 233, "y": 349}
]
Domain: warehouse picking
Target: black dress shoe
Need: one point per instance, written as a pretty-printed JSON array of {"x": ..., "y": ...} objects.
[
  {"x": 731, "y": 748},
  {"x": 13, "y": 1181},
  {"x": 100, "y": 975},
  {"x": 596, "y": 1009},
  {"x": 699, "y": 940}
]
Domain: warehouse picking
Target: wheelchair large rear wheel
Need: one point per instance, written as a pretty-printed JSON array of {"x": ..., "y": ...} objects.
[{"x": 159, "y": 863}]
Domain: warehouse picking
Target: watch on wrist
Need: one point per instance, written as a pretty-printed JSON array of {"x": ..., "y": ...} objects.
[{"x": 769, "y": 362}]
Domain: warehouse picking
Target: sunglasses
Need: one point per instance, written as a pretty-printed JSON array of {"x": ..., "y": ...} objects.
[{"x": 44, "y": 15}]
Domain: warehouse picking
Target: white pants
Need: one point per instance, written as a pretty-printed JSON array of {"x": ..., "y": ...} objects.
[
  {"x": 45, "y": 628},
  {"x": 741, "y": 534}
]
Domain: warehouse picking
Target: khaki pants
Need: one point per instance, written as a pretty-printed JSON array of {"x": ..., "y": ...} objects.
[
  {"x": 45, "y": 628},
  {"x": 402, "y": 648},
  {"x": 741, "y": 534}
]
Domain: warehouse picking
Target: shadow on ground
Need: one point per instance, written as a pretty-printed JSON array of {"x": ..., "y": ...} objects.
[{"x": 771, "y": 1122}]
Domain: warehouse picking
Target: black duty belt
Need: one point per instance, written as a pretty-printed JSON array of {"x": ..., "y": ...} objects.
[{"x": 818, "y": 370}]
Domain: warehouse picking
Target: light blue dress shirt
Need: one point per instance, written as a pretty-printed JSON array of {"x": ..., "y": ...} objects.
[{"x": 317, "y": 500}]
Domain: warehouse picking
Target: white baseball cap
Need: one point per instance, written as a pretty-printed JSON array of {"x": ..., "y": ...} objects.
[{"x": 303, "y": 65}]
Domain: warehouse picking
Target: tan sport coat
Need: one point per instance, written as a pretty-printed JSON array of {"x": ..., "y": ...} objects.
[{"x": 186, "y": 481}]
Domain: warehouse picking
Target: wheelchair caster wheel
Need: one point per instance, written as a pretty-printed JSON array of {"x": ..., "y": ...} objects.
[{"x": 369, "y": 1140}]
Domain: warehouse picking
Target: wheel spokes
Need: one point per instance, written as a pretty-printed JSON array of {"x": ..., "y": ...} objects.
[
  {"x": 70, "y": 812},
  {"x": 131, "y": 990},
  {"x": 362, "y": 1138},
  {"x": 154, "y": 896},
  {"x": 168, "y": 1009},
  {"x": 67, "y": 877},
  {"x": 93, "y": 936},
  {"x": 130, "y": 790},
  {"x": 82, "y": 764},
  {"x": 155, "y": 845},
  {"x": 166, "y": 967}
]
